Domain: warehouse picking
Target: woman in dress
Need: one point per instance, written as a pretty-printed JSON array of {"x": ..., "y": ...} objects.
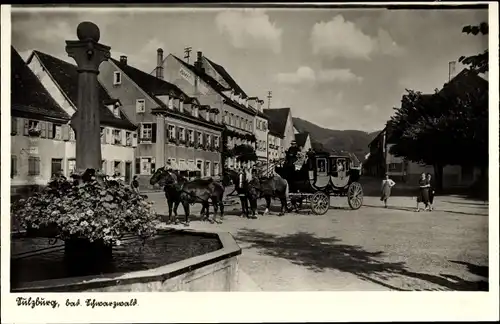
[
  {"x": 387, "y": 185},
  {"x": 432, "y": 191},
  {"x": 423, "y": 196}
]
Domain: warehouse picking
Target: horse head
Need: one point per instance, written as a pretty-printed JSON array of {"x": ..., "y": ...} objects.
[
  {"x": 229, "y": 176},
  {"x": 163, "y": 176}
]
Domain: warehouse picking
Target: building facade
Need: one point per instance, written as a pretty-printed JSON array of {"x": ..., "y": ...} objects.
[
  {"x": 261, "y": 131},
  {"x": 204, "y": 82},
  {"x": 282, "y": 123},
  {"x": 381, "y": 161},
  {"x": 39, "y": 129},
  {"x": 174, "y": 128},
  {"x": 303, "y": 141},
  {"x": 118, "y": 133}
]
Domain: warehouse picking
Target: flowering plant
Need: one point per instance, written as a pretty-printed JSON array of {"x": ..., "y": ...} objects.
[{"x": 92, "y": 210}]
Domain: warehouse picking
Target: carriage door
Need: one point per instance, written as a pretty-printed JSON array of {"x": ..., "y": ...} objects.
[
  {"x": 322, "y": 177},
  {"x": 339, "y": 175}
]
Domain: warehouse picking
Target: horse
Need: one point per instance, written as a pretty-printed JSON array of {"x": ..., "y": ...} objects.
[
  {"x": 178, "y": 190},
  {"x": 264, "y": 187},
  {"x": 241, "y": 189}
]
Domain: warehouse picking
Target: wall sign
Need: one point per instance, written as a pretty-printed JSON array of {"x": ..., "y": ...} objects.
[{"x": 186, "y": 75}]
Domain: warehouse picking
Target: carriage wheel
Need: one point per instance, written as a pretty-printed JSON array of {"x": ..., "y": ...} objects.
[
  {"x": 355, "y": 195},
  {"x": 320, "y": 203}
]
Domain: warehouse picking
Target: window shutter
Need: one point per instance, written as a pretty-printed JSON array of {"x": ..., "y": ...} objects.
[
  {"x": 50, "y": 130},
  {"x": 153, "y": 136},
  {"x": 13, "y": 126},
  {"x": 26, "y": 126},
  {"x": 137, "y": 165},
  {"x": 43, "y": 128},
  {"x": 65, "y": 132},
  {"x": 134, "y": 140},
  {"x": 109, "y": 135},
  {"x": 124, "y": 137}
]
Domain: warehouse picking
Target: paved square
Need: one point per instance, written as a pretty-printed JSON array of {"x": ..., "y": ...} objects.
[{"x": 372, "y": 248}]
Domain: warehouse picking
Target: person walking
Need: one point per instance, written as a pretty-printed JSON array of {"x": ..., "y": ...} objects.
[
  {"x": 423, "y": 196},
  {"x": 432, "y": 191},
  {"x": 387, "y": 185}
]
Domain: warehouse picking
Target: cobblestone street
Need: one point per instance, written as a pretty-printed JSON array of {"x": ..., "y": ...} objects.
[{"x": 372, "y": 248}]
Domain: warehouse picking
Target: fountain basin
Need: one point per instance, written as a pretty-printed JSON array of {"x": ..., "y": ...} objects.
[{"x": 212, "y": 271}]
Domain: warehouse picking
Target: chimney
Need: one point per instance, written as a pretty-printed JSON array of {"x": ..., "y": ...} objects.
[
  {"x": 451, "y": 70},
  {"x": 199, "y": 61},
  {"x": 159, "y": 64},
  {"x": 123, "y": 60}
]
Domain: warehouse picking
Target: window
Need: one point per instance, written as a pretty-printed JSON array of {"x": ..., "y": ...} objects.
[
  {"x": 191, "y": 136},
  {"x": 13, "y": 166},
  {"x": 200, "y": 138},
  {"x": 56, "y": 167},
  {"x": 207, "y": 169},
  {"x": 137, "y": 166},
  {"x": 209, "y": 139},
  {"x": 231, "y": 119},
  {"x": 170, "y": 103},
  {"x": 216, "y": 142},
  {"x": 71, "y": 166},
  {"x": 467, "y": 173},
  {"x": 33, "y": 165},
  {"x": 72, "y": 136},
  {"x": 31, "y": 126},
  {"x": 128, "y": 138},
  {"x": 147, "y": 166},
  {"x": 395, "y": 167},
  {"x": 182, "y": 135},
  {"x": 55, "y": 131},
  {"x": 216, "y": 168},
  {"x": 117, "y": 137},
  {"x": 140, "y": 105},
  {"x": 146, "y": 132},
  {"x": 199, "y": 165},
  {"x": 117, "y": 167},
  {"x": 117, "y": 78},
  {"x": 116, "y": 111},
  {"x": 181, "y": 106},
  {"x": 171, "y": 132}
]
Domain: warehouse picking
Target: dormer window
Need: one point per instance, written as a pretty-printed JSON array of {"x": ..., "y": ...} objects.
[
  {"x": 170, "y": 103},
  {"x": 195, "y": 111},
  {"x": 181, "y": 106},
  {"x": 140, "y": 105},
  {"x": 117, "y": 78}
]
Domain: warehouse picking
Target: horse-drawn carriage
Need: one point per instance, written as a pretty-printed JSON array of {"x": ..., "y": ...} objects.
[{"x": 321, "y": 176}]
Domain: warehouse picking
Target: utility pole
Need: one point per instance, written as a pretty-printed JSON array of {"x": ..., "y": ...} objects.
[
  {"x": 187, "y": 51},
  {"x": 269, "y": 96}
]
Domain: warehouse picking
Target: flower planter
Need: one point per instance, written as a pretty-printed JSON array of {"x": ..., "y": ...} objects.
[{"x": 81, "y": 255}]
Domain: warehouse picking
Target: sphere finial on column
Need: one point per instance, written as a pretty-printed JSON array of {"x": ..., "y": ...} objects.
[{"x": 88, "y": 30}]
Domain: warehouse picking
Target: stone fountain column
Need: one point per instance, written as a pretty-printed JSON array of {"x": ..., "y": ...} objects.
[{"x": 88, "y": 54}]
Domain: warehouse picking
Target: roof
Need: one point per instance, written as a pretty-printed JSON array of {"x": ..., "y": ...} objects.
[
  {"x": 227, "y": 77},
  {"x": 278, "y": 118},
  {"x": 28, "y": 95},
  {"x": 65, "y": 75},
  {"x": 301, "y": 138},
  {"x": 152, "y": 85},
  {"x": 219, "y": 88},
  {"x": 465, "y": 81}
]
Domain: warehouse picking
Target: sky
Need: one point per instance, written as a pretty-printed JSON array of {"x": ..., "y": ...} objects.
[{"x": 338, "y": 68}]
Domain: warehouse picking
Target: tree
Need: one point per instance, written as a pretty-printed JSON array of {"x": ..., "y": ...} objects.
[
  {"x": 244, "y": 153},
  {"x": 477, "y": 62},
  {"x": 449, "y": 127}
]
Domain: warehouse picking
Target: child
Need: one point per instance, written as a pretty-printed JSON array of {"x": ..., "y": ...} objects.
[{"x": 387, "y": 185}]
